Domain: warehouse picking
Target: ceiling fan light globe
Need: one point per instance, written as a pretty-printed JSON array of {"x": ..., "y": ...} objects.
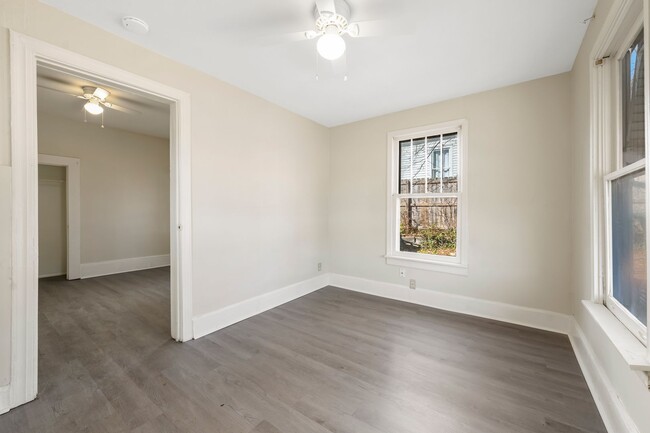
[
  {"x": 93, "y": 108},
  {"x": 331, "y": 46}
]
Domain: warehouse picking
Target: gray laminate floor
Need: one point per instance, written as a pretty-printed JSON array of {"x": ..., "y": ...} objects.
[{"x": 332, "y": 361}]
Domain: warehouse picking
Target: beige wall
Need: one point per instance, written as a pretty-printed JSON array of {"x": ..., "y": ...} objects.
[
  {"x": 627, "y": 384},
  {"x": 518, "y": 186},
  {"x": 52, "y": 212},
  {"x": 252, "y": 232},
  {"x": 124, "y": 187}
]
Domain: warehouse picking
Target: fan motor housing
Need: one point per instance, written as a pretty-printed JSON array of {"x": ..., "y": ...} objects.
[{"x": 339, "y": 17}]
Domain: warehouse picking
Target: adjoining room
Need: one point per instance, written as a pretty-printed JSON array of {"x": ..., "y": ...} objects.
[{"x": 104, "y": 223}]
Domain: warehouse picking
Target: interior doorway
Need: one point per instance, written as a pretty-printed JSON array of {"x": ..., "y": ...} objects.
[
  {"x": 27, "y": 55},
  {"x": 59, "y": 208},
  {"x": 52, "y": 222}
]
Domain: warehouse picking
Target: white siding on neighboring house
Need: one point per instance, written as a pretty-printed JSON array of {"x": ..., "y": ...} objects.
[{"x": 422, "y": 157}]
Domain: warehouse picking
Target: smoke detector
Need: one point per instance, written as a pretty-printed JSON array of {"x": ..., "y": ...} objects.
[{"x": 135, "y": 25}]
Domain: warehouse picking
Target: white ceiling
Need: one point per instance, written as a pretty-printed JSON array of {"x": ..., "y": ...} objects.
[
  {"x": 56, "y": 96},
  {"x": 442, "y": 49}
]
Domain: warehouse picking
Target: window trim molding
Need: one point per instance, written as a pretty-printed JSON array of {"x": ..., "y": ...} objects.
[
  {"x": 455, "y": 265},
  {"x": 600, "y": 82}
]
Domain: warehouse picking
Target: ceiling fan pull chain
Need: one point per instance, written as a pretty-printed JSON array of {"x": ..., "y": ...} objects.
[{"x": 102, "y": 119}]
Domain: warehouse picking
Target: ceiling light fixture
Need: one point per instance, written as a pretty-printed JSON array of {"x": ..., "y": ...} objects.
[
  {"x": 93, "y": 107},
  {"x": 331, "y": 45}
]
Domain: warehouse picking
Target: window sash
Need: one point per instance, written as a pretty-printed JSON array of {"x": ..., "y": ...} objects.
[
  {"x": 614, "y": 71},
  {"x": 436, "y": 162},
  {"x": 622, "y": 109},
  {"x": 421, "y": 256},
  {"x": 429, "y": 195},
  {"x": 639, "y": 330}
]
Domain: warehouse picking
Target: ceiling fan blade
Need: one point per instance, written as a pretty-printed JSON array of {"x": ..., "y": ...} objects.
[
  {"x": 58, "y": 86},
  {"x": 378, "y": 28},
  {"x": 325, "y": 6},
  {"x": 285, "y": 38},
  {"x": 120, "y": 108},
  {"x": 60, "y": 91}
]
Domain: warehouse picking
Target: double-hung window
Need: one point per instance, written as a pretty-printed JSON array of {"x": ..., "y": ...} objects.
[
  {"x": 427, "y": 211},
  {"x": 625, "y": 261}
]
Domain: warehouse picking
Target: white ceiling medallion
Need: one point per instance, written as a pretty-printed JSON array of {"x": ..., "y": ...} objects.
[{"x": 135, "y": 25}]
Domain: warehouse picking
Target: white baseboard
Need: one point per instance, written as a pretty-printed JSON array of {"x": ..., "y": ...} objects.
[
  {"x": 97, "y": 269},
  {"x": 531, "y": 317},
  {"x": 614, "y": 414},
  {"x": 5, "y": 403},
  {"x": 232, "y": 314}
]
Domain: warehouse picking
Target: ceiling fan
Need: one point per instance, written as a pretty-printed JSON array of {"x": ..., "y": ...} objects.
[
  {"x": 331, "y": 27},
  {"x": 332, "y": 23},
  {"x": 96, "y": 97}
]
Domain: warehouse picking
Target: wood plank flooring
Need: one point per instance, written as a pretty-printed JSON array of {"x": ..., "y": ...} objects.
[{"x": 332, "y": 361}]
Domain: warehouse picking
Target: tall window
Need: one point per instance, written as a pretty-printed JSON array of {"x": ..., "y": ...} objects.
[
  {"x": 626, "y": 288},
  {"x": 425, "y": 217}
]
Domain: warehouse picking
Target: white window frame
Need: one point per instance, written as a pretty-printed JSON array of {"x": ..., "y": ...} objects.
[
  {"x": 607, "y": 156},
  {"x": 623, "y": 314},
  {"x": 457, "y": 264}
]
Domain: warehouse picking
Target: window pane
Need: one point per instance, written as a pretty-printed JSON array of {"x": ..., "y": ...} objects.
[
  {"x": 629, "y": 243},
  {"x": 405, "y": 167},
  {"x": 419, "y": 166},
  {"x": 428, "y": 225},
  {"x": 435, "y": 164},
  {"x": 450, "y": 163},
  {"x": 633, "y": 105}
]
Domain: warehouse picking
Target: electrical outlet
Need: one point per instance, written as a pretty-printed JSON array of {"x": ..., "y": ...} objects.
[
  {"x": 320, "y": 267},
  {"x": 402, "y": 272},
  {"x": 412, "y": 284}
]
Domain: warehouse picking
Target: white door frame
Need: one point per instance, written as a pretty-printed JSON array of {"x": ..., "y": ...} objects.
[
  {"x": 26, "y": 53},
  {"x": 73, "y": 209}
]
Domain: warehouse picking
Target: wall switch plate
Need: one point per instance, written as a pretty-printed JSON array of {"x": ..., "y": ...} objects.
[
  {"x": 320, "y": 267},
  {"x": 412, "y": 284},
  {"x": 402, "y": 272}
]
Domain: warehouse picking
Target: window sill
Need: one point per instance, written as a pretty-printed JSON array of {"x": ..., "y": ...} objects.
[
  {"x": 427, "y": 265},
  {"x": 631, "y": 349}
]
